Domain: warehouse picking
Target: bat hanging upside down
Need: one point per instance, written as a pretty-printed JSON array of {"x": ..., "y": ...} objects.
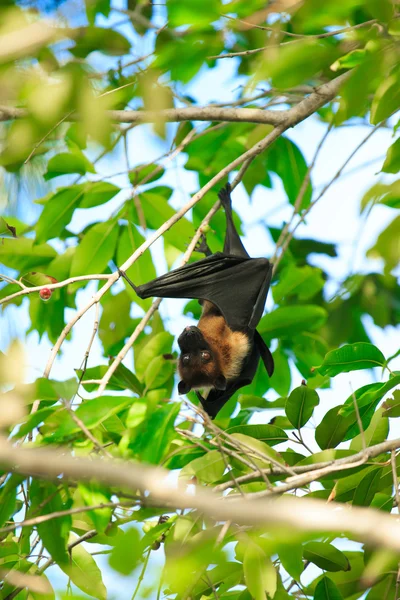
[{"x": 221, "y": 354}]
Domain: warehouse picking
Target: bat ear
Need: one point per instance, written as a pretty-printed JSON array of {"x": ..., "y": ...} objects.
[
  {"x": 220, "y": 383},
  {"x": 184, "y": 387}
]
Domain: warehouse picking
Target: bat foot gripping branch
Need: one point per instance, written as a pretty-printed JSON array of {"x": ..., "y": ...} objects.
[{"x": 125, "y": 276}]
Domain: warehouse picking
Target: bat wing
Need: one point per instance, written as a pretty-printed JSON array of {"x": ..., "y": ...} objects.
[{"x": 237, "y": 285}]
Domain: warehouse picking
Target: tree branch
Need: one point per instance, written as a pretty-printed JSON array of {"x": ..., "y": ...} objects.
[
  {"x": 199, "y": 113},
  {"x": 364, "y": 524}
]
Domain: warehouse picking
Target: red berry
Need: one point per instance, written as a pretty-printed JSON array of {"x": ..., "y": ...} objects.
[{"x": 45, "y": 294}]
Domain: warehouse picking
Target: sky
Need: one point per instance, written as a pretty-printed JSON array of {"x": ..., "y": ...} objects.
[{"x": 336, "y": 218}]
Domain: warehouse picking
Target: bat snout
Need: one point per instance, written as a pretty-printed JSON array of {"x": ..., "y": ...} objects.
[{"x": 190, "y": 338}]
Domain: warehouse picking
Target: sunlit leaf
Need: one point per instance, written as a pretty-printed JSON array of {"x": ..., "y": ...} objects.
[{"x": 351, "y": 357}]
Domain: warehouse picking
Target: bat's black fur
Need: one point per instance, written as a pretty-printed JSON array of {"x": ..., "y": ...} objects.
[{"x": 222, "y": 353}]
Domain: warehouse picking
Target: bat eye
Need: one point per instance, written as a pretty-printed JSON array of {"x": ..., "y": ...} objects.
[
  {"x": 186, "y": 359},
  {"x": 205, "y": 356}
]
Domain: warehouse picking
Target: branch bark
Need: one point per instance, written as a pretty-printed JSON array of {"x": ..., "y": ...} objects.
[
  {"x": 203, "y": 113},
  {"x": 364, "y": 524}
]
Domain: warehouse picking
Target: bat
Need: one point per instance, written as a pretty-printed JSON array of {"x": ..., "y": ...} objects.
[{"x": 221, "y": 354}]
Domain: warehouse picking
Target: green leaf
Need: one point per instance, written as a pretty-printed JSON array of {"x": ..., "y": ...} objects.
[
  {"x": 158, "y": 372},
  {"x": 392, "y": 160},
  {"x": 8, "y": 499},
  {"x": 150, "y": 447},
  {"x": 96, "y": 193},
  {"x": 126, "y": 553},
  {"x": 95, "y": 411},
  {"x": 57, "y": 213},
  {"x": 382, "y": 193},
  {"x": 199, "y": 13},
  {"x": 208, "y": 468},
  {"x": 351, "y": 357},
  {"x": 98, "y": 39},
  {"x": 157, "y": 211},
  {"x": 303, "y": 282},
  {"x": 33, "y": 278},
  {"x": 392, "y": 405},
  {"x": 327, "y": 590},
  {"x": 84, "y": 572},
  {"x": 93, "y": 495},
  {"x": 350, "y": 60},
  {"x": 122, "y": 379},
  {"x": 376, "y": 432},
  {"x": 143, "y": 269},
  {"x": 96, "y": 249},
  {"x": 386, "y": 99},
  {"x": 149, "y": 173},
  {"x": 332, "y": 429},
  {"x": 300, "y": 405},
  {"x": 367, "y": 488},
  {"x": 66, "y": 163},
  {"x": 266, "y": 433},
  {"x": 281, "y": 378},
  {"x": 53, "y": 533},
  {"x": 286, "y": 321},
  {"x": 159, "y": 344},
  {"x": 259, "y": 572},
  {"x": 387, "y": 246},
  {"x": 326, "y": 556},
  {"x": 291, "y": 556},
  {"x": 21, "y": 253},
  {"x": 287, "y": 161}
]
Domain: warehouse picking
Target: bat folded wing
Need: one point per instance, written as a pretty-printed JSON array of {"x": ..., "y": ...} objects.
[{"x": 237, "y": 285}]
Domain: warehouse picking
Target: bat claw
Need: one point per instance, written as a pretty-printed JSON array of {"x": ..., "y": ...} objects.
[
  {"x": 125, "y": 276},
  {"x": 225, "y": 196},
  {"x": 202, "y": 246}
]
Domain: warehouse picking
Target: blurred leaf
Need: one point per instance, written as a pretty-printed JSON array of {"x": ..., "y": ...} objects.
[
  {"x": 383, "y": 193},
  {"x": 207, "y": 469},
  {"x": 84, "y": 572},
  {"x": 96, "y": 249},
  {"x": 300, "y": 405},
  {"x": 158, "y": 345},
  {"x": 386, "y": 99},
  {"x": 21, "y": 253},
  {"x": 326, "y": 556},
  {"x": 303, "y": 282},
  {"x": 150, "y": 447},
  {"x": 392, "y": 160},
  {"x": 392, "y": 405},
  {"x": 98, "y": 39},
  {"x": 158, "y": 372},
  {"x": 387, "y": 246},
  {"x": 351, "y": 357},
  {"x": 66, "y": 163},
  {"x": 288, "y": 320},
  {"x": 367, "y": 488},
  {"x": 146, "y": 173},
  {"x": 281, "y": 378},
  {"x": 93, "y": 495},
  {"x": 143, "y": 269},
  {"x": 259, "y": 573},
  {"x": 286, "y": 160},
  {"x": 327, "y": 590},
  {"x": 53, "y": 533},
  {"x": 269, "y": 434},
  {"x": 198, "y": 12},
  {"x": 127, "y": 552}
]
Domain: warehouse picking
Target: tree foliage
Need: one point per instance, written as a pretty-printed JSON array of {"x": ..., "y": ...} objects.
[{"x": 75, "y": 86}]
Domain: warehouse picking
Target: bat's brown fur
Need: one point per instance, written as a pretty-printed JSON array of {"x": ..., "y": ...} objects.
[{"x": 230, "y": 347}]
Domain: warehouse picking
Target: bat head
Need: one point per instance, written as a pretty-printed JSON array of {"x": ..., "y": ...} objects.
[{"x": 198, "y": 365}]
